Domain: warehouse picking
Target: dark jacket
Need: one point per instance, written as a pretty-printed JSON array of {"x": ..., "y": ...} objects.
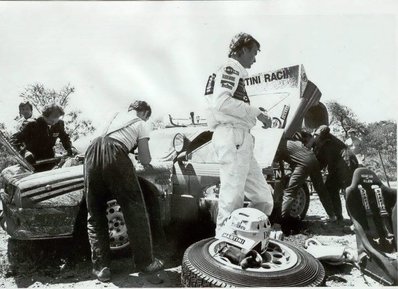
[
  {"x": 39, "y": 138},
  {"x": 332, "y": 152}
]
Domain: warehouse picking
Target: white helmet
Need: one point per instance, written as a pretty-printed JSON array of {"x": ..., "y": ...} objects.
[{"x": 246, "y": 228}]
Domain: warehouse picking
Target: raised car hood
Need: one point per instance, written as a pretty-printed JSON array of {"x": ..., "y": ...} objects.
[{"x": 287, "y": 95}]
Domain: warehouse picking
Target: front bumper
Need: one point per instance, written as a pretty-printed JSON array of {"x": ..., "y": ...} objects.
[{"x": 38, "y": 223}]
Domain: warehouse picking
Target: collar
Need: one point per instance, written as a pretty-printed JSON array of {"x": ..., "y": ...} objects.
[
  {"x": 238, "y": 65},
  {"x": 41, "y": 120}
]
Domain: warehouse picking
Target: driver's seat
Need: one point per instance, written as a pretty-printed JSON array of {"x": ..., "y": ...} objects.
[{"x": 372, "y": 206}]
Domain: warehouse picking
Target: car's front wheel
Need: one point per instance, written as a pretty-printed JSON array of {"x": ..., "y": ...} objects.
[{"x": 283, "y": 265}]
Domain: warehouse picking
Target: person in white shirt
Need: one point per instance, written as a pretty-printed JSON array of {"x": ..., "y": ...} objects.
[
  {"x": 231, "y": 117},
  {"x": 108, "y": 171},
  {"x": 353, "y": 143}
]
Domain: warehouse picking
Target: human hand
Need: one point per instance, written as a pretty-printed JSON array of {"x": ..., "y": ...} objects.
[
  {"x": 72, "y": 152},
  {"x": 147, "y": 167},
  {"x": 29, "y": 157},
  {"x": 265, "y": 119}
]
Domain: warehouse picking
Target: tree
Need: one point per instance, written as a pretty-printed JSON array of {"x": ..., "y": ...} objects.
[
  {"x": 39, "y": 97},
  {"x": 6, "y": 159},
  {"x": 378, "y": 138},
  {"x": 381, "y": 140},
  {"x": 343, "y": 117}
]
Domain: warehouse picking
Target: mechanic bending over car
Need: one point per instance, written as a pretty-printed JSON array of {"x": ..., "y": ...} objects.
[
  {"x": 340, "y": 162},
  {"x": 108, "y": 171},
  {"x": 37, "y": 137},
  {"x": 231, "y": 117},
  {"x": 297, "y": 152}
]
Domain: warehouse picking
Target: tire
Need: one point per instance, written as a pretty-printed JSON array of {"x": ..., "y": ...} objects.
[
  {"x": 301, "y": 203},
  {"x": 201, "y": 269},
  {"x": 118, "y": 237}
]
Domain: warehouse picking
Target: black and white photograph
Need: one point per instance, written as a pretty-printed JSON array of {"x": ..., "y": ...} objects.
[{"x": 198, "y": 144}]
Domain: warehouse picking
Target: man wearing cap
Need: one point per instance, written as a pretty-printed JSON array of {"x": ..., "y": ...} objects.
[
  {"x": 340, "y": 162},
  {"x": 231, "y": 117}
]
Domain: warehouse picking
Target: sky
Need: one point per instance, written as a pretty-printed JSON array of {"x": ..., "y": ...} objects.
[{"x": 163, "y": 52}]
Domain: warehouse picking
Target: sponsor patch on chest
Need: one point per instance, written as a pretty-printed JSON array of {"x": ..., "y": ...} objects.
[{"x": 231, "y": 71}]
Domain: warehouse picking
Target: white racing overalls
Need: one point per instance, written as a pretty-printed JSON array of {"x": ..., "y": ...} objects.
[{"x": 231, "y": 117}]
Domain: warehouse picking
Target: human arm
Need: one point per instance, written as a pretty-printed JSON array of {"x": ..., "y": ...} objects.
[
  {"x": 144, "y": 155},
  {"x": 19, "y": 138},
  {"x": 65, "y": 139}
]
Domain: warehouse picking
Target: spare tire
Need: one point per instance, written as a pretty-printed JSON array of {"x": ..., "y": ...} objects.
[{"x": 287, "y": 266}]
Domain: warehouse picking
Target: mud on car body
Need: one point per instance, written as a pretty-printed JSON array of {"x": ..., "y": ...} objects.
[{"x": 46, "y": 205}]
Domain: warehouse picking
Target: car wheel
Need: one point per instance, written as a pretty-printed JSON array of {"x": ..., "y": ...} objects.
[
  {"x": 118, "y": 237},
  {"x": 283, "y": 265},
  {"x": 300, "y": 205}
]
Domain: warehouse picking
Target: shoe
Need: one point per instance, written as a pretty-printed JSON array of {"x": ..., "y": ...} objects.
[
  {"x": 103, "y": 275},
  {"x": 154, "y": 267}
]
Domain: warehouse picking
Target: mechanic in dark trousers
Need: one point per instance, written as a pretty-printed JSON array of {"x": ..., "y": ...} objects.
[
  {"x": 37, "y": 137},
  {"x": 340, "y": 162},
  {"x": 108, "y": 172},
  {"x": 303, "y": 163}
]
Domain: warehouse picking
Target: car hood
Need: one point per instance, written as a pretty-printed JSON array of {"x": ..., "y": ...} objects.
[{"x": 41, "y": 179}]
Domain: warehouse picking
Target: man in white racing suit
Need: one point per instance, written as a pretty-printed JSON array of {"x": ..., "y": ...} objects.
[{"x": 231, "y": 117}]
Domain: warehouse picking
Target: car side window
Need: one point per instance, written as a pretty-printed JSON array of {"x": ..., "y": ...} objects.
[{"x": 204, "y": 154}]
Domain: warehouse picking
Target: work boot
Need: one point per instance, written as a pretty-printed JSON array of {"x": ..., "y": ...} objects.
[
  {"x": 154, "y": 267},
  {"x": 150, "y": 271},
  {"x": 103, "y": 275}
]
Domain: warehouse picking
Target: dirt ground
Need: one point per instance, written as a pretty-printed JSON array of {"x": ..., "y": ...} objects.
[{"x": 37, "y": 264}]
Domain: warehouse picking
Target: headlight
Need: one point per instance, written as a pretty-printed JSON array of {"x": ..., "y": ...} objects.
[{"x": 179, "y": 142}]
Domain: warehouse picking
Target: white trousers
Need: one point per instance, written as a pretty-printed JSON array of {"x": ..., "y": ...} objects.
[{"x": 240, "y": 174}]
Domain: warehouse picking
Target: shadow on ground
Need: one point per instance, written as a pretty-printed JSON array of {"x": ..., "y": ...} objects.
[{"x": 30, "y": 262}]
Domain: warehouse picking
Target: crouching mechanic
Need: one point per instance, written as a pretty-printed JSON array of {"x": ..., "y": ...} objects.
[
  {"x": 296, "y": 151},
  {"x": 37, "y": 137},
  {"x": 108, "y": 171},
  {"x": 231, "y": 117}
]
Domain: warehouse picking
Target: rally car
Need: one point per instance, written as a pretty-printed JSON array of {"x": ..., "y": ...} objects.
[{"x": 184, "y": 179}]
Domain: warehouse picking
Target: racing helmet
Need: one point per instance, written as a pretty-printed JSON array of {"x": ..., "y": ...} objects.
[{"x": 246, "y": 228}]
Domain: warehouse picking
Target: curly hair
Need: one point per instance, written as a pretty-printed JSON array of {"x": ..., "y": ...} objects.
[
  {"x": 49, "y": 109},
  {"x": 240, "y": 41},
  {"x": 140, "y": 105}
]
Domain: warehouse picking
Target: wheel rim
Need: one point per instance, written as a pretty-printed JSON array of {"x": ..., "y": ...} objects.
[
  {"x": 118, "y": 237},
  {"x": 277, "y": 257},
  {"x": 298, "y": 204}
]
